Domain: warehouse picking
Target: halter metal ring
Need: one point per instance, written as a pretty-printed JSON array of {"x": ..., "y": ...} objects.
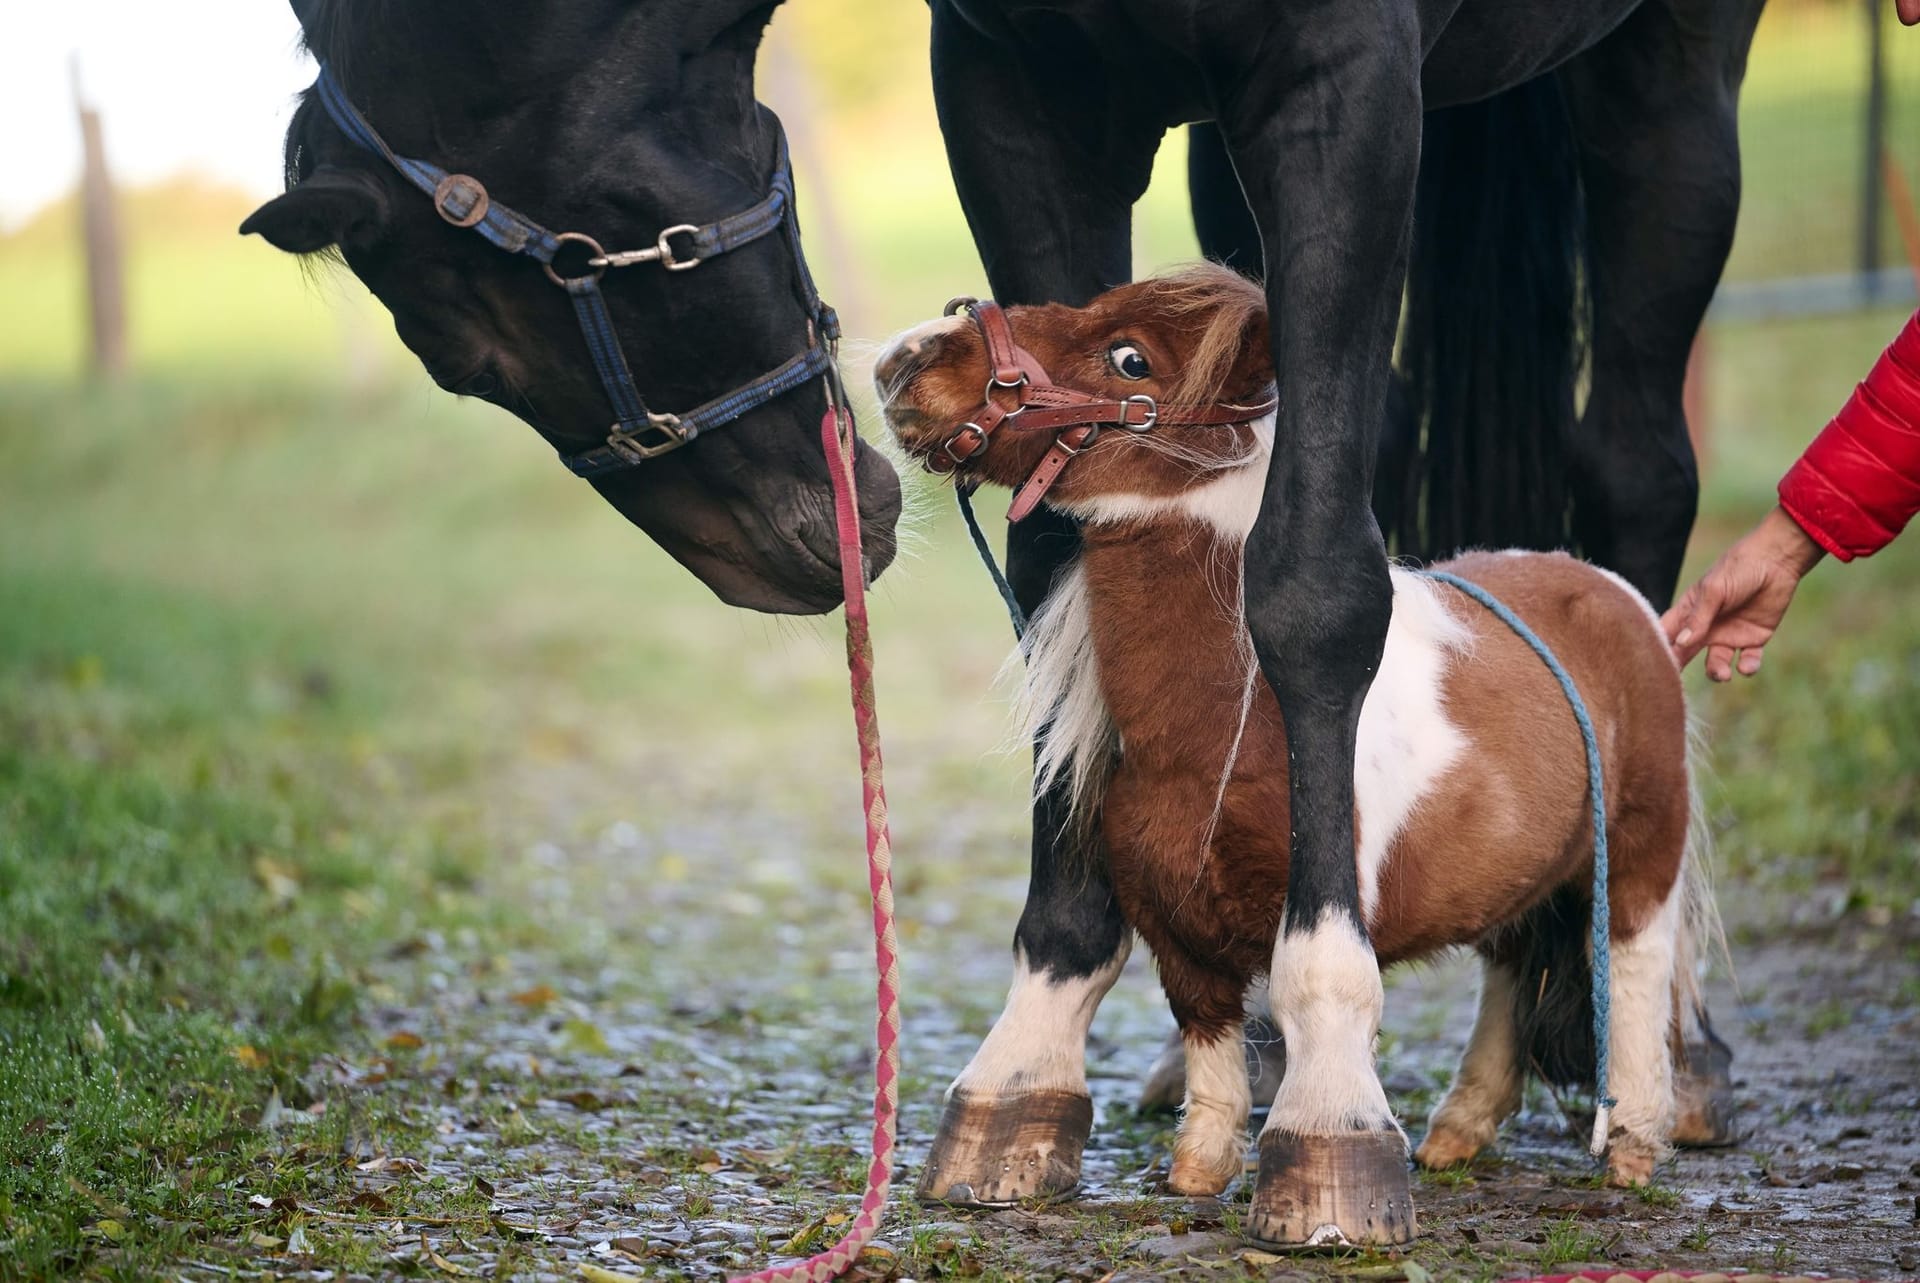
[
  {"x": 995, "y": 381},
  {"x": 667, "y": 260},
  {"x": 593, "y": 252},
  {"x": 1153, "y": 412},
  {"x": 959, "y": 303}
]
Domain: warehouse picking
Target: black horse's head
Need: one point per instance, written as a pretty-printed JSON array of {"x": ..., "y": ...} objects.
[{"x": 616, "y": 119}]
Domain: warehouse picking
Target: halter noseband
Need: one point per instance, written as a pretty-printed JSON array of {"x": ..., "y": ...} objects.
[
  {"x": 638, "y": 434},
  {"x": 1041, "y": 405}
]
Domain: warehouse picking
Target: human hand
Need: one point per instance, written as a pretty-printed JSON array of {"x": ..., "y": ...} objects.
[
  {"x": 1909, "y": 11},
  {"x": 1733, "y": 611}
]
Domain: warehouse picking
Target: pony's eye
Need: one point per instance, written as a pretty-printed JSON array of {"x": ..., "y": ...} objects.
[{"x": 1128, "y": 361}]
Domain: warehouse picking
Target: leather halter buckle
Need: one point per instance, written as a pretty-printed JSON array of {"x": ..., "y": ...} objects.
[
  {"x": 973, "y": 433},
  {"x": 1141, "y": 399},
  {"x": 630, "y": 444}
]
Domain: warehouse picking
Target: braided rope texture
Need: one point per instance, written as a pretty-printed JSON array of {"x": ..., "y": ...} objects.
[
  {"x": 836, "y": 435},
  {"x": 1672, "y": 1276}
]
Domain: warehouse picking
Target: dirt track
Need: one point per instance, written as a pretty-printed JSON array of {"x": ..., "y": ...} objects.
[{"x": 682, "y": 1094}]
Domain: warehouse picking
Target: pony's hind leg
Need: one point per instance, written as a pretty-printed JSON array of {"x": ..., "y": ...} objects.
[
  {"x": 1166, "y": 1085},
  {"x": 1639, "y": 1042},
  {"x": 1210, "y": 1147},
  {"x": 1486, "y": 1088}
]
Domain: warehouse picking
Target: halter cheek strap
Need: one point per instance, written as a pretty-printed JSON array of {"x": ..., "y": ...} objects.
[
  {"x": 1041, "y": 405},
  {"x": 637, "y": 433}
]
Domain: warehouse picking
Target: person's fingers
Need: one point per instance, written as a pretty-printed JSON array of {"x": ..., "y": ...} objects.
[
  {"x": 1909, "y": 11},
  {"x": 1695, "y": 614},
  {"x": 1719, "y": 661},
  {"x": 1749, "y": 661}
]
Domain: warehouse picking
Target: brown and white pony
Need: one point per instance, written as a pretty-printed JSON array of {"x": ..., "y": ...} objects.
[{"x": 1470, "y": 774}]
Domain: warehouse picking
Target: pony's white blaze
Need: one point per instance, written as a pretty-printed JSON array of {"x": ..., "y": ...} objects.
[
  {"x": 1039, "y": 1043},
  {"x": 1327, "y": 998},
  {"x": 1639, "y": 1032},
  {"x": 1212, "y": 1141},
  {"x": 1227, "y": 504},
  {"x": 1405, "y": 743}
]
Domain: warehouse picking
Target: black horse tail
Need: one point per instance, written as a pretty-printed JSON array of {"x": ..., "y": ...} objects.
[
  {"x": 1553, "y": 990},
  {"x": 1479, "y": 438}
]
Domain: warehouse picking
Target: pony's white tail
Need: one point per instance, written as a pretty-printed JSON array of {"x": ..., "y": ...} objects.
[{"x": 1703, "y": 939}]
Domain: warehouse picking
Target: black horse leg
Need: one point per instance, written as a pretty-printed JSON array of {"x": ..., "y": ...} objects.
[
  {"x": 1221, "y": 219},
  {"x": 1325, "y": 136},
  {"x": 1052, "y": 219},
  {"x": 1653, "y": 110},
  {"x": 1654, "y": 113}
]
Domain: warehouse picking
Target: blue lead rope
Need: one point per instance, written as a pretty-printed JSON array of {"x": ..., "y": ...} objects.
[{"x": 1597, "y": 801}]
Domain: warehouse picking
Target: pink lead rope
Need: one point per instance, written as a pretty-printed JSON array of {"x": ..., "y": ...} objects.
[{"x": 836, "y": 436}]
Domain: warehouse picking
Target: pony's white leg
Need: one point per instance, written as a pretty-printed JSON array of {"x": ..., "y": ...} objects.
[
  {"x": 1018, "y": 1115},
  {"x": 1639, "y": 1039},
  {"x": 1209, "y": 1148},
  {"x": 1166, "y": 1082},
  {"x": 1327, "y": 998},
  {"x": 1486, "y": 1087},
  {"x": 1333, "y": 1160}
]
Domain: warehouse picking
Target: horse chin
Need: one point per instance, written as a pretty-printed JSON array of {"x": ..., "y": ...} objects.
[{"x": 776, "y": 553}]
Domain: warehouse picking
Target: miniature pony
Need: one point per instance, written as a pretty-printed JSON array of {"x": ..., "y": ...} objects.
[{"x": 1148, "y": 415}]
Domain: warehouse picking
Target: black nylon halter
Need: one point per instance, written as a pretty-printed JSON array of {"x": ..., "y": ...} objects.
[{"x": 638, "y": 434}]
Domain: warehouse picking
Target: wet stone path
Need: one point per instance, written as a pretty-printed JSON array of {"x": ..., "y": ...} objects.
[{"x": 679, "y": 1088}]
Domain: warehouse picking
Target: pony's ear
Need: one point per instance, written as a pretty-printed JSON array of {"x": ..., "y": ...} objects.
[{"x": 331, "y": 207}]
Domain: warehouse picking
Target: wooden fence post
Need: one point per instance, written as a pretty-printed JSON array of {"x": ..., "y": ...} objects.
[{"x": 106, "y": 281}]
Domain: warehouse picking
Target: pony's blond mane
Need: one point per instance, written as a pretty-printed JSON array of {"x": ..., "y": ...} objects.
[{"x": 1222, "y": 305}]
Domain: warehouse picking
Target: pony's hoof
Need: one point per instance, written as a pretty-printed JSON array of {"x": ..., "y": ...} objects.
[
  {"x": 992, "y": 1151},
  {"x": 1703, "y": 1095},
  {"x": 1629, "y": 1163},
  {"x": 1446, "y": 1147},
  {"x": 1332, "y": 1191},
  {"x": 1193, "y": 1177}
]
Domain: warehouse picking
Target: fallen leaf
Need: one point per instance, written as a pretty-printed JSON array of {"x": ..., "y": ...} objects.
[
  {"x": 110, "y": 1229},
  {"x": 587, "y": 1100},
  {"x": 584, "y": 1035},
  {"x": 484, "y": 1185},
  {"x": 594, "y": 1274},
  {"x": 267, "y": 1241},
  {"x": 248, "y": 1057},
  {"x": 508, "y": 1230},
  {"x": 1258, "y": 1260},
  {"x": 1416, "y": 1272},
  {"x": 538, "y": 996},
  {"x": 439, "y": 1261},
  {"x": 277, "y": 879},
  {"x": 403, "y": 1040},
  {"x": 389, "y": 1163},
  {"x": 297, "y": 1242}
]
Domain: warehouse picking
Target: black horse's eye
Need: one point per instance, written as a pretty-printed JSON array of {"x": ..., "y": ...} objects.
[
  {"x": 483, "y": 384},
  {"x": 1128, "y": 361}
]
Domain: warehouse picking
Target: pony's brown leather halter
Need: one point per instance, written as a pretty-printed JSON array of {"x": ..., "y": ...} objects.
[{"x": 1041, "y": 405}]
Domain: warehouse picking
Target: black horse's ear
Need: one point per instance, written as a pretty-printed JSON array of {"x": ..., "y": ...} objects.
[
  {"x": 331, "y": 207},
  {"x": 303, "y": 10}
]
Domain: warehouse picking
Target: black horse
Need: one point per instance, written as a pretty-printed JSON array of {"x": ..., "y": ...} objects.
[
  {"x": 617, "y": 121},
  {"x": 1554, "y": 188}
]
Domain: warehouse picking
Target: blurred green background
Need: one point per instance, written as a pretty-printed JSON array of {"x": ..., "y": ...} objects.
[{"x": 275, "y": 611}]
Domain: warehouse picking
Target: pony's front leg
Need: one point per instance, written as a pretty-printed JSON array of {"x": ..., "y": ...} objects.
[
  {"x": 1053, "y": 223},
  {"x": 1324, "y": 132}
]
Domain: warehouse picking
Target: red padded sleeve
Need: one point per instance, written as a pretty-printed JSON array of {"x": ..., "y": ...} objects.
[{"x": 1859, "y": 482}]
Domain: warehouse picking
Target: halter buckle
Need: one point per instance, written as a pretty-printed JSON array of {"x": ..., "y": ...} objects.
[
  {"x": 1153, "y": 412},
  {"x": 461, "y": 200},
  {"x": 969, "y": 431},
  {"x": 629, "y": 445}
]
